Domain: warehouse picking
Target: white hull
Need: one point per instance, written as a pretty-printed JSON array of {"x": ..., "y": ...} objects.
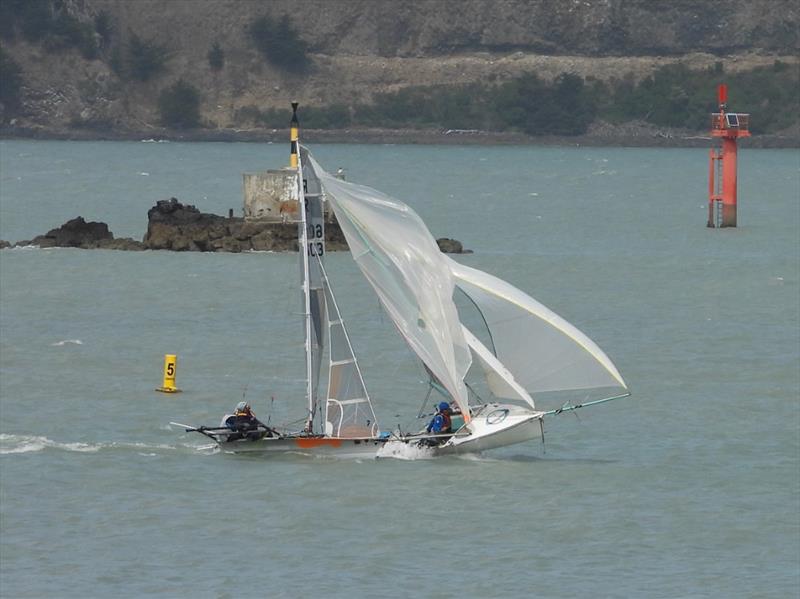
[{"x": 493, "y": 426}]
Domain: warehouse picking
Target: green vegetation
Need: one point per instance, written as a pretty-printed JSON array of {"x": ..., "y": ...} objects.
[
  {"x": 216, "y": 57},
  {"x": 279, "y": 43},
  {"x": 139, "y": 59},
  {"x": 10, "y": 82},
  {"x": 673, "y": 96},
  {"x": 334, "y": 116},
  {"x": 39, "y": 21},
  {"x": 676, "y": 96},
  {"x": 179, "y": 106},
  {"x": 527, "y": 104}
]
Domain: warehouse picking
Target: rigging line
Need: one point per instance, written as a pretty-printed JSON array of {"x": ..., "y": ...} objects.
[
  {"x": 475, "y": 393},
  {"x": 425, "y": 401},
  {"x": 483, "y": 318}
]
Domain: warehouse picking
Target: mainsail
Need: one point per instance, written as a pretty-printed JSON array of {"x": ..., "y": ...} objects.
[
  {"x": 348, "y": 410},
  {"x": 543, "y": 351},
  {"x": 401, "y": 260}
]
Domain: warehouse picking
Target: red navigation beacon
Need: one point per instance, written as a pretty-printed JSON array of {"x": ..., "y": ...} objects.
[{"x": 729, "y": 126}]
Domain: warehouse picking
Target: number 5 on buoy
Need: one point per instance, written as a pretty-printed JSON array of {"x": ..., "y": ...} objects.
[{"x": 170, "y": 369}]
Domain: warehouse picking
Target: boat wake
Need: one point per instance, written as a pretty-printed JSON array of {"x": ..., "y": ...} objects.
[
  {"x": 404, "y": 451},
  {"x": 15, "y": 444}
]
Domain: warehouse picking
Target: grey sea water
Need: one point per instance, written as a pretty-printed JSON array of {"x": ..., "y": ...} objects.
[{"x": 691, "y": 488}]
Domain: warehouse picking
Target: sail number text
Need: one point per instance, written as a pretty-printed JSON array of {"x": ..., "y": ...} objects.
[{"x": 315, "y": 248}]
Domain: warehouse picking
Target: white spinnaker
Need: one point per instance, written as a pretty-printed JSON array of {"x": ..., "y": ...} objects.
[
  {"x": 542, "y": 350},
  {"x": 498, "y": 377},
  {"x": 401, "y": 260}
]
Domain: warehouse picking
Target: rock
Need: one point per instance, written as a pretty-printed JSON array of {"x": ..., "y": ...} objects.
[
  {"x": 179, "y": 227},
  {"x": 231, "y": 244},
  {"x": 451, "y": 246},
  {"x": 183, "y": 228},
  {"x": 159, "y": 236},
  {"x": 175, "y": 226},
  {"x": 74, "y": 233},
  {"x": 263, "y": 241},
  {"x": 123, "y": 243},
  {"x": 4, "y": 244}
]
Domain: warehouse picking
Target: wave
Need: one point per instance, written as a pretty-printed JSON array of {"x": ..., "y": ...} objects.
[
  {"x": 13, "y": 444},
  {"x": 30, "y": 443},
  {"x": 67, "y": 341},
  {"x": 28, "y": 248},
  {"x": 24, "y": 248}
]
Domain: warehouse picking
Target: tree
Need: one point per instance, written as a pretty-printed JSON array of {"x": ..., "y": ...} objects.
[
  {"x": 216, "y": 57},
  {"x": 179, "y": 106},
  {"x": 279, "y": 43},
  {"x": 144, "y": 59}
]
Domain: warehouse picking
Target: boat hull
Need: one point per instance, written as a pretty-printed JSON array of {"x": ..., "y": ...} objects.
[
  {"x": 338, "y": 447},
  {"x": 494, "y": 426}
]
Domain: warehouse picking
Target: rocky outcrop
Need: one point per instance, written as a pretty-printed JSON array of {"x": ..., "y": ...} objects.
[
  {"x": 451, "y": 246},
  {"x": 178, "y": 227},
  {"x": 77, "y": 233},
  {"x": 183, "y": 228}
]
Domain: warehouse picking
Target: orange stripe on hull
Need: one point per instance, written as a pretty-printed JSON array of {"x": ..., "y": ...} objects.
[{"x": 311, "y": 442}]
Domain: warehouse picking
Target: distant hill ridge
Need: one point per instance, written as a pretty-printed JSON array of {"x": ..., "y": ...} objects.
[{"x": 355, "y": 49}]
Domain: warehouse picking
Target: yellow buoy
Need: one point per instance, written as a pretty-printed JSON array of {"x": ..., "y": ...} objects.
[{"x": 170, "y": 367}]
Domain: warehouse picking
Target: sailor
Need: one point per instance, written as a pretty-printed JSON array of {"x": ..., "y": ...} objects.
[
  {"x": 241, "y": 421},
  {"x": 441, "y": 423}
]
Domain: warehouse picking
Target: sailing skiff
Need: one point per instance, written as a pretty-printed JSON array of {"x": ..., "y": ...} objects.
[{"x": 530, "y": 349}]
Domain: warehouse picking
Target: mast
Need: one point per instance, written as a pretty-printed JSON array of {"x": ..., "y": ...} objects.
[{"x": 294, "y": 162}]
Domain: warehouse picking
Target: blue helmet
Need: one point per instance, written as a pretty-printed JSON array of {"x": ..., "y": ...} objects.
[
  {"x": 242, "y": 406},
  {"x": 444, "y": 406}
]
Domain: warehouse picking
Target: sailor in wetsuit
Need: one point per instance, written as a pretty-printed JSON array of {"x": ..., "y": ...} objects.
[
  {"x": 441, "y": 423},
  {"x": 243, "y": 422}
]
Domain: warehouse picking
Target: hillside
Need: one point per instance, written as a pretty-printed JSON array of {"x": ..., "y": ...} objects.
[{"x": 358, "y": 53}]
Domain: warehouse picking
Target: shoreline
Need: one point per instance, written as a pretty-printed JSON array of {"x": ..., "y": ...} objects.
[{"x": 639, "y": 137}]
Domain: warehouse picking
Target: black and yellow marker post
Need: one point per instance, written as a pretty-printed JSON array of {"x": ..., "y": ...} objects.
[{"x": 294, "y": 135}]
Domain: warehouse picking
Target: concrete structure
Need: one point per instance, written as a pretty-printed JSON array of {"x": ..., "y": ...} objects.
[{"x": 271, "y": 195}]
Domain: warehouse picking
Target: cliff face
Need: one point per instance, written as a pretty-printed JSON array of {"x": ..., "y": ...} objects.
[
  {"x": 360, "y": 47},
  {"x": 418, "y": 28}
]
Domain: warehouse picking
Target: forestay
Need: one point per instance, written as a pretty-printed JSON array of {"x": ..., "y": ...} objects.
[
  {"x": 543, "y": 351},
  {"x": 401, "y": 260}
]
